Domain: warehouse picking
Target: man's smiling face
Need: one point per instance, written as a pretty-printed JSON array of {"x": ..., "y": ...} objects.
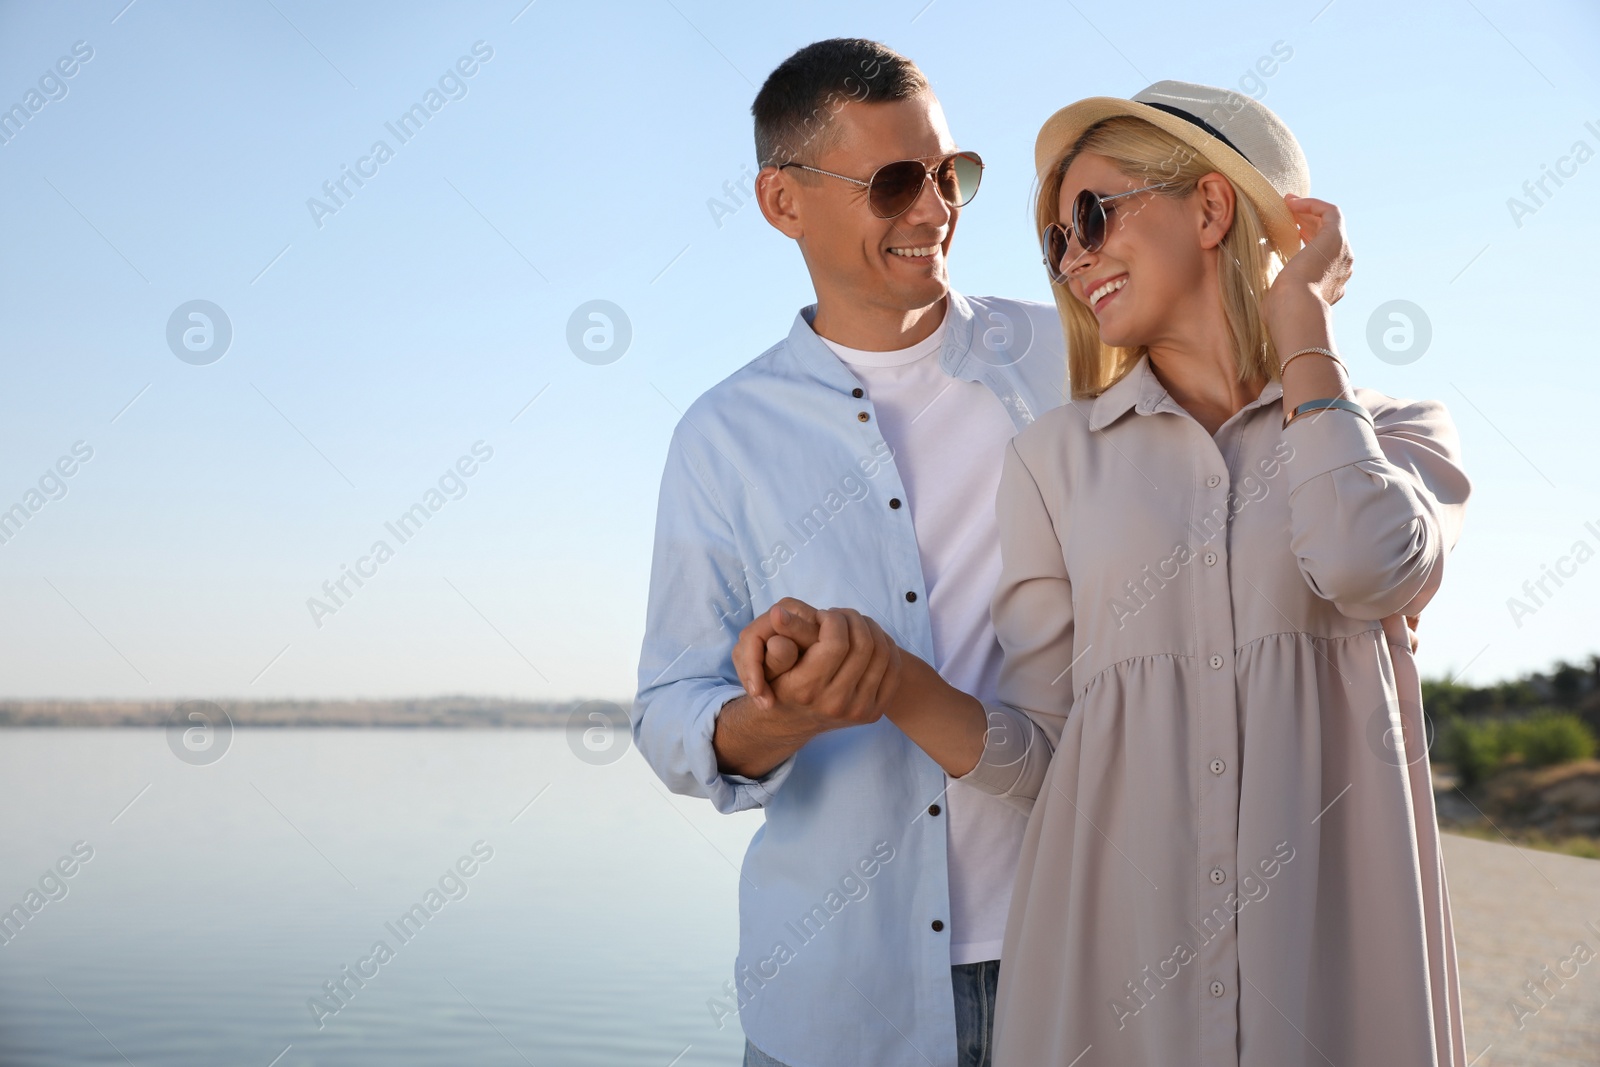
[{"x": 896, "y": 263}]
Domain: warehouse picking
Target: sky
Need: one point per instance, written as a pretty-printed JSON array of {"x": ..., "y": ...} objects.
[{"x": 412, "y": 333}]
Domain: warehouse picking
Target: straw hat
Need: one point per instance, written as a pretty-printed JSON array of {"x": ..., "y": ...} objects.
[{"x": 1242, "y": 138}]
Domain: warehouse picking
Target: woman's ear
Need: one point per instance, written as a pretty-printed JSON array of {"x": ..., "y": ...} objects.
[{"x": 1216, "y": 209}]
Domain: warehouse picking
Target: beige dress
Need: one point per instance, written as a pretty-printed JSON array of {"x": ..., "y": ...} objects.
[{"x": 1209, "y": 706}]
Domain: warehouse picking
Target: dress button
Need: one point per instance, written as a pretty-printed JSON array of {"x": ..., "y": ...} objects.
[
  {"x": 938, "y": 924},
  {"x": 857, "y": 393},
  {"x": 911, "y": 597},
  {"x": 1218, "y": 876},
  {"x": 1217, "y": 766},
  {"x": 1211, "y": 559},
  {"x": 933, "y": 809},
  {"x": 1217, "y": 989},
  {"x": 894, "y": 502},
  {"x": 1216, "y": 662},
  {"x": 1213, "y": 481},
  {"x": 862, "y": 416}
]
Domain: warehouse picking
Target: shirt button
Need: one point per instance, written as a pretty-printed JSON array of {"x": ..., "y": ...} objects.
[
  {"x": 1217, "y": 989},
  {"x": 1216, "y": 662},
  {"x": 938, "y": 924},
  {"x": 1218, "y": 876},
  {"x": 1211, "y": 559},
  {"x": 1217, "y": 766},
  {"x": 911, "y": 597},
  {"x": 933, "y": 809},
  {"x": 894, "y": 502},
  {"x": 862, "y": 416},
  {"x": 1213, "y": 481},
  {"x": 857, "y": 393}
]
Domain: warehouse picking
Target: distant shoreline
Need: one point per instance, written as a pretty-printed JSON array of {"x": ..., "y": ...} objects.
[{"x": 460, "y": 713}]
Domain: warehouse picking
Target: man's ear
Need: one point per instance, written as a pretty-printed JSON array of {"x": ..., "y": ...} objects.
[{"x": 778, "y": 194}]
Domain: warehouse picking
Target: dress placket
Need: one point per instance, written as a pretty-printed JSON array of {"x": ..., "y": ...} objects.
[
  {"x": 1216, "y": 756},
  {"x": 1217, "y": 752}
]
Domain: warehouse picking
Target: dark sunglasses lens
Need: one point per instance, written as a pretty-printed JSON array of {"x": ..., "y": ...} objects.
[
  {"x": 895, "y": 187},
  {"x": 1089, "y": 219},
  {"x": 1055, "y": 251},
  {"x": 959, "y": 177}
]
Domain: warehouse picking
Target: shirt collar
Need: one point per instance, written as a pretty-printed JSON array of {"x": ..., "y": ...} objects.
[
  {"x": 820, "y": 360},
  {"x": 1143, "y": 392}
]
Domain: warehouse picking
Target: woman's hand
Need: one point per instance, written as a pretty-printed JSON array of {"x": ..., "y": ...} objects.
[
  {"x": 1325, "y": 261},
  {"x": 1295, "y": 308}
]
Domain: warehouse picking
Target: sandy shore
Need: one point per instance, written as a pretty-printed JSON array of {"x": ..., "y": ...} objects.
[{"x": 1517, "y": 912}]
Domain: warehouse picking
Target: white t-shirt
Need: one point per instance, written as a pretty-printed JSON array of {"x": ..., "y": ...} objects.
[{"x": 949, "y": 438}]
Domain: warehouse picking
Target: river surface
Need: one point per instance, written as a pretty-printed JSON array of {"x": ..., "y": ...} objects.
[{"x": 560, "y": 912}]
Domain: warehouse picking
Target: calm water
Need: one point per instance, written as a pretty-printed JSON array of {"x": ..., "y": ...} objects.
[{"x": 220, "y": 902}]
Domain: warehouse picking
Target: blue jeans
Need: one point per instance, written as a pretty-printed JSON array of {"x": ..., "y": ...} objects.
[{"x": 975, "y": 985}]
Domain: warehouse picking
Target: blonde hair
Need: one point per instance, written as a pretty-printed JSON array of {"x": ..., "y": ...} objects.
[{"x": 1148, "y": 154}]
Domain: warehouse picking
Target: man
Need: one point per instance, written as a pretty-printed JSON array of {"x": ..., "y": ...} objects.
[{"x": 853, "y": 464}]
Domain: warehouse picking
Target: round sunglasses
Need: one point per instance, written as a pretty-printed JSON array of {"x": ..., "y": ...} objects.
[
  {"x": 894, "y": 187},
  {"x": 1089, "y": 219}
]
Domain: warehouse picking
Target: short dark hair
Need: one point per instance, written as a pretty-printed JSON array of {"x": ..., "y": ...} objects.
[{"x": 796, "y": 103}]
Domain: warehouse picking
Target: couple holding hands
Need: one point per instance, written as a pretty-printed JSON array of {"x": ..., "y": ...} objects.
[{"x": 1105, "y": 672}]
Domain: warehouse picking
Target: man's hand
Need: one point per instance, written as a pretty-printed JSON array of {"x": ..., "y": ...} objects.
[
  {"x": 769, "y": 645},
  {"x": 763, "y": 651}
]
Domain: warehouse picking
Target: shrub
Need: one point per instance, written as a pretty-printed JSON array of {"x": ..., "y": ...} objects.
[
  {"x": 1475, "y": 747},
  {"x": 1480, "y": 747},
  {"x": 1550, "y": 737}
]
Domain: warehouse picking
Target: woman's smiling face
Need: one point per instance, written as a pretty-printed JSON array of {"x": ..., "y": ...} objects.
[{"x": 1153, "y": 264}]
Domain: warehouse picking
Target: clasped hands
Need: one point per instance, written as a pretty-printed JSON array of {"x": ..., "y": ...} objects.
[{"x": 835, "y": 667}]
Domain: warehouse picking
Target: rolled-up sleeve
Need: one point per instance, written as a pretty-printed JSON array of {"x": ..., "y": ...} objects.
[
  {"x": 1374, "y": 509},
  {"x": 1032, "y": 615},
  {"x": 698, "y": 603}
]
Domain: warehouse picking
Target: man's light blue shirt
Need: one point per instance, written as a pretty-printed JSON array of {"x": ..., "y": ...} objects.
[{"x": 778, "y": 483}]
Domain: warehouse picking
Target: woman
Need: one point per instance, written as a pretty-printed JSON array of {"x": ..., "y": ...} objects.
[{"x": 1208, "y": 554}]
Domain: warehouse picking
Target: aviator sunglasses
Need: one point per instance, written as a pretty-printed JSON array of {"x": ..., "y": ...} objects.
[
  {"x": 894, "y": 187},
  {"x": 1089, "y": 218}
]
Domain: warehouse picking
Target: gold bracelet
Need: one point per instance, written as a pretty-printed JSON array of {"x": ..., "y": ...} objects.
[{"x": 1307, "y": 351}]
